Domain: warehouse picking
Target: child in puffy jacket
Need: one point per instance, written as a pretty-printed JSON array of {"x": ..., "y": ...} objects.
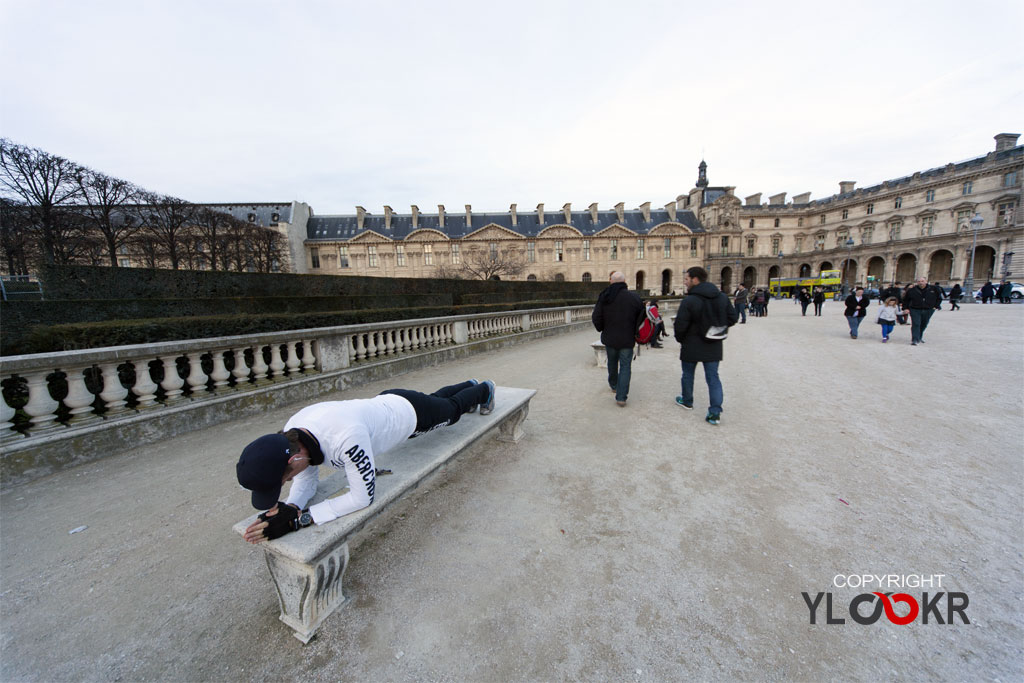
[{"x": 887, "y": 317}]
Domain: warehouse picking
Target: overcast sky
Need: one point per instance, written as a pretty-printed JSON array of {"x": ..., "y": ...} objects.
[{"x": 342, "y": 103}]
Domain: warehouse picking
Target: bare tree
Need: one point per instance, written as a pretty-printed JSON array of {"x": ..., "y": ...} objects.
[
  {"x": 167, "y": 220},
  {"x": 212, "y": 225},
  {"x": 486, "y": 264},
  {"x": 46, "y": 184},
  {"x": 105, "y": 208},
  {"x": 15, "y": 239},
  {"x": 266, "y": 245}
]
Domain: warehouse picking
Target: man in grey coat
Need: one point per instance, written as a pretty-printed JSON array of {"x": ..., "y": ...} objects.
[{"x": 705, "y": 306}]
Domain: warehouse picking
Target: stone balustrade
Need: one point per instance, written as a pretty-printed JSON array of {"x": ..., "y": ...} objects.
[{"x": 59, "y": 392}]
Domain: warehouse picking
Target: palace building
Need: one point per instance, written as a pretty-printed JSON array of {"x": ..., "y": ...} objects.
[{"x": 900, "y": 229}]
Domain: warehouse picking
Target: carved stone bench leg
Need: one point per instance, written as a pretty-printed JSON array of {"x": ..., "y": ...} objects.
[
  {"x": 511, "y": 429},
  {"x": 308, "y": 594}
]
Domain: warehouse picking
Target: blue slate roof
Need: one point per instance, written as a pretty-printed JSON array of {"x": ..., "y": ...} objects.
[
  {"x": 264, "y": 212},
  {"x": 346, "y": 227}
]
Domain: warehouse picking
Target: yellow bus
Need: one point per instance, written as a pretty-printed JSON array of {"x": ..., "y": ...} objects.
[{"x": 829, "y": 280}]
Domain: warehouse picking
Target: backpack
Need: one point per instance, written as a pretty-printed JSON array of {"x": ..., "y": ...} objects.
[
  {"x": 714, "y": 332},
  {"x": 646, "y": 330}
]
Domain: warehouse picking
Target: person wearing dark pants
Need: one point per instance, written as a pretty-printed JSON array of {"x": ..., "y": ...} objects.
[
  {"x": 819, "y": 299},
  {"x": 920, "y": 302},
  {"x": 617, "y": 315},
  {"x": 345, "y": 435},
  {"x": 954, "y": 297},
  {"x": 805, "y": 300},
  {"x": 856, "y": 309},
  {"x": 701, "y": 322},
  {"x": 740, "y": 299}
]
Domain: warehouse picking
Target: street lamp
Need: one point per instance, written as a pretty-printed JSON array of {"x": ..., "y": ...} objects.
[
  {"x": 778, "y": 291},
  {"x": 976, "y": 224},
  {"x": 846, "y": 267}
]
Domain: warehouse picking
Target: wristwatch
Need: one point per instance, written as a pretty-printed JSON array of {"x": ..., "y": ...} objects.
[{"x": 305, "y": 519}]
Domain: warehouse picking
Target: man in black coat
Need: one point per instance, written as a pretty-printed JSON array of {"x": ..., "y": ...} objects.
[
  {"x": 705, "y": 306},
  {"x": 921, "y": 301},
  {"x": 616, "y": 316}
]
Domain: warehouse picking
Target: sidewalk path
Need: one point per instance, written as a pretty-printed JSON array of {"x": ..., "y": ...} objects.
[{"x": 635, "y": 543}]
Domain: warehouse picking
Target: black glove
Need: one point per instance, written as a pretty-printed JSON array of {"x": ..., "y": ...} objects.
[{"x": 285, "y": 521}]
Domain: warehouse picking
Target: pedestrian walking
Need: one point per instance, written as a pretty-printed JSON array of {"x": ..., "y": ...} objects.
[
  {"x": 856, "y": 309},
  {"x": 740, "y": 298},
  {"x": 617, "y": 315},
  {"x": 701, "y": 324},
  {"x": 819, "y": 299},
  {"x": 920, "y": 302},
  {"x": 804, "y": 298},
  {"x": 887, "y": 317},
  {"x": 954, "y": 297}
]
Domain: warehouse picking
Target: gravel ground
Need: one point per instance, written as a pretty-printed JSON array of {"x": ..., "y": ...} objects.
[{"x": 610, "y": 544}]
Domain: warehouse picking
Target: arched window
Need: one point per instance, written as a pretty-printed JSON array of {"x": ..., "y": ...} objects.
[
  {"x": 586, "y": 277},
  {"x": 559, "y": 277},
  {"x": 531, "y": 277}
]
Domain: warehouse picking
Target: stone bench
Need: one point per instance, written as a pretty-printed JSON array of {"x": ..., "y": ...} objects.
[
  {"x": 600, "y": 355},
  {"x": 307, "y": 566}
]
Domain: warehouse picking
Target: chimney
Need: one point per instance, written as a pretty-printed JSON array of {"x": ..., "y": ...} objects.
[
  {"x": 846, "y": 186},
  {"x": 777, "y": 199},
  {"x": 387, "y": 217},
  {"x": 515, "y": 216},
  {"x": 802, "y": 198},
  {"x": 671, "y": 209},
  {"x": 540, "y": 214},
  {"x": 620, "y": 211},
  {"x": 567, "y": 212},
  {"x": 753, "y": 200},
  {"x": 1006, "y": 141},
  {"x": 360, "y": 217},
  {"x": 415, "y": 217},
  {"x": 593, "y": 211},
  {"x": 645, "y": 209},
  {"x": 440, "y": 216},
  {"x": 469, "y": 217}
]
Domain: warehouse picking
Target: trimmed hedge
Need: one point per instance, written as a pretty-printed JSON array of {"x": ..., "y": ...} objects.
[
  {"x": 99, "y": 282},
  {"x": 87, "y": 335}
]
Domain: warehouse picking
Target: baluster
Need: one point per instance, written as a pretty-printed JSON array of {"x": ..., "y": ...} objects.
[
  {"x": 145, "y": 387},
  {"x": 172, "y": 381},
  {"x": 219, "y": 374},
  {"x": 308, "y": 356},
  {"x": 371, "y": 347},
  {"x": 241, "y": 370},
  {"x": 447, "y": 331},
  {"x": 276, "y": 362},
  {"x": 389, "y": 336},
  {"x": 259, "y": 365},
  {"x": 7, "y": 422},
  {"x": 293, "y": 364},
  {"x": 404, "y": 340},
  {"x": 360, "y": 347},
  {"x": 79, "y": 398},
  {"x": 114, "y": 392},
  {"x": 431, "y": 337},
  {"x": 196, "y": 377},
  {"x": 40, "y": 407}
]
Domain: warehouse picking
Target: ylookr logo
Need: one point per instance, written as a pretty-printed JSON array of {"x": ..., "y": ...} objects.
[{"x": 884, "y": 602}]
